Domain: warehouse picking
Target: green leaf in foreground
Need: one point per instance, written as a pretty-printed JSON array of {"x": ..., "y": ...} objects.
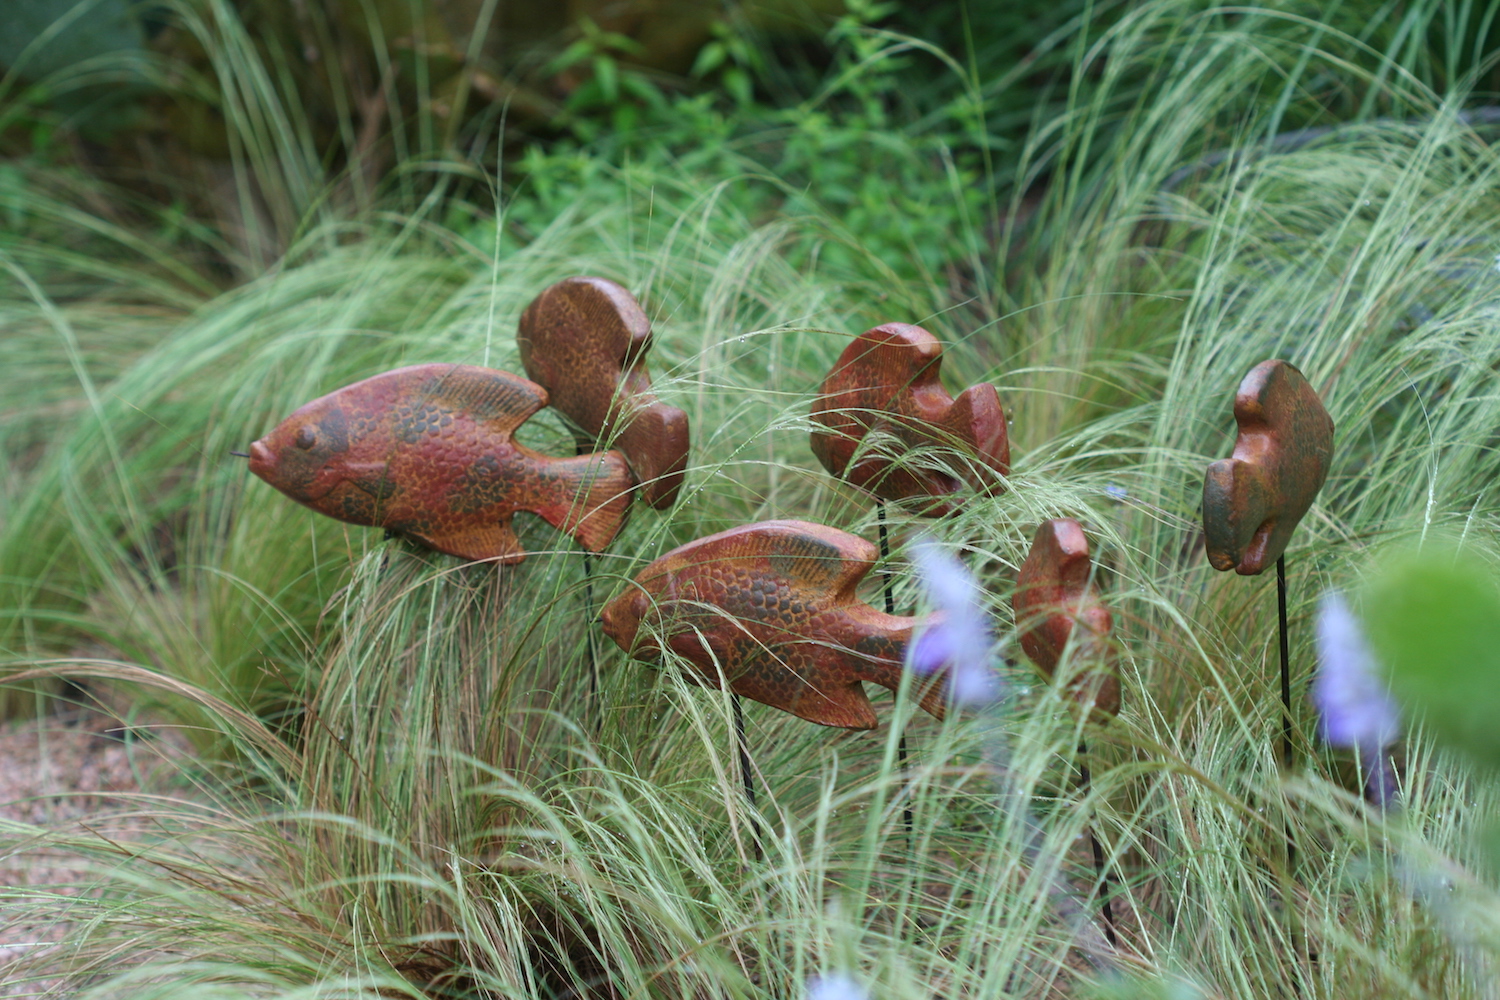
[{"x": 1434, "y": 620}]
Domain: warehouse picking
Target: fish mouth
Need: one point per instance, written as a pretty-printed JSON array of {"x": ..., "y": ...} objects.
[
  {"x": 618, "y": 625},
  {"x": 607, "y": 623},
  {"x": 262, "y": 460}
]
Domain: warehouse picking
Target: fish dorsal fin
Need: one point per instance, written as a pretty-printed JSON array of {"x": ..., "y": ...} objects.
[
  {"x": 501, "y": 399},
  {"x": 814, "y": 556}
]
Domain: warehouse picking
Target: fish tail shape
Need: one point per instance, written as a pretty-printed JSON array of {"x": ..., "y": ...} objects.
[
  {"x": 929, "y": 690},
  {"x": 978, "y": 418},
  {"x": 596, "y": 495},
  {"x": 931, "y": 693},
  {"x": 883, "y": 652},
  {"x": 1240, "y": 540}
]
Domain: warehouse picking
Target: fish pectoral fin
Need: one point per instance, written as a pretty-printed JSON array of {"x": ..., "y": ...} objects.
[
  {"x": 372, "y": 477},
  {"x": 495, "y": 542}
]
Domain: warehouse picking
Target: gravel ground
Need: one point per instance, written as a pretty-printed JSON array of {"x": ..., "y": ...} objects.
[{"x": 68, "y": 772}]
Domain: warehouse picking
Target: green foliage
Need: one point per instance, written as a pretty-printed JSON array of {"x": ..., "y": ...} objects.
[{"x": 1434, "y": 619}]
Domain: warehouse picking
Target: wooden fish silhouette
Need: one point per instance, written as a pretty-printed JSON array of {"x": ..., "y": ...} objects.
[
  {"x": 585, "y": 341},
  {"x": 888, "y": 380},
  {"x": 772, "y": 605},
  {"x": 1055, "y": 602},
  {"x": 428, "y": 452},
  {"x": 1253, "y": 500}
]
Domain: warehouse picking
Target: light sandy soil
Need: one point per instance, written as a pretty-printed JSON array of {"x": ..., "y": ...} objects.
[{"x": 72, "y": 773}]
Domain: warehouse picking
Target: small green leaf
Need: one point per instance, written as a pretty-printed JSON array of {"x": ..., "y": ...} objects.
[
  {"x": 608, "y": 75},
  {"x": 1434, "y": 621},
  {"x": 737, "y": 82},
  {"x": 710, "y": 57},
  {"x": 574, "y": 54}
]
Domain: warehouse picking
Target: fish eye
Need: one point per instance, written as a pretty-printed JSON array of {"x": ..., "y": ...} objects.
[{"x": 306, "y": 438}]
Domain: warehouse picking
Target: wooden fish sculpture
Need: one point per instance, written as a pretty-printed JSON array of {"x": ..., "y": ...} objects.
[
  {"x": 1055, "y": 602},
  {"x": 1253, "y": 500},
  {"x": 888, "y": 380},
  {"x": 428, "y": 452},
  {"x": 772, "y": 606},
  {"x": 585, "y": 340}
]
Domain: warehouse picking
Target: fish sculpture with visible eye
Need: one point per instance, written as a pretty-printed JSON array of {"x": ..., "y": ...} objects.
[
  {"x": 585, "y": 341},
  {"x": 1253, "y": 500},
  {"x": 888, "y": 380},
  {"x": 771, "y": 608},
  {"x": 1055, "y": 603},
  {"x": 428, "y": 452}
]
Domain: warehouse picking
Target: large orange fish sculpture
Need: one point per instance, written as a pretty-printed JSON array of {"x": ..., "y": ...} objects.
[
  {"x": 1055, "y": 603},
  {"x": 428, "y": 452},
  {"x": 585, "y": 341},
  {"x": 1253, "y": 500},
  {"x": 888, "y": 380},
  {"x": 772, "y": 607}
]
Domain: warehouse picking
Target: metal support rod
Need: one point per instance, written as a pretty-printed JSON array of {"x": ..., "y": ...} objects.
[
  {"x": 594, "y": 708},
  {"x": 1286, "y": 670},
  {"x": 745, "y": 776},
  {"x": 1286, "y": 704},
  {"x": 890, "y": 609},
  {"x": 1106, "y": 884},
  {"x": 593, "y": 640}
]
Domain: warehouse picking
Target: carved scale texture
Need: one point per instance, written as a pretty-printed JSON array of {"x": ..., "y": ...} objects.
[
  {"x": 428, "y": 452},
  {"x": 584, "y": 340},
  {"x": 772, "y": 606}
]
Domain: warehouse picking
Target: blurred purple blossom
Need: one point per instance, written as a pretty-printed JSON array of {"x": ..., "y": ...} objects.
[
  {"x": 1355, "y": 710},
  {"x": 958, "y": 637},
  {"x": 1115, "y": 491},
  {"x": 835, "y": 986}
]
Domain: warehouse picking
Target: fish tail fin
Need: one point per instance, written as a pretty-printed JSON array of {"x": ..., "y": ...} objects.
[
  {"x": 978, "y": 416},
  {"x": 602, "y": 499},
  {"x": 929, "y": 690},
  {"x": 931, "y": 693}
]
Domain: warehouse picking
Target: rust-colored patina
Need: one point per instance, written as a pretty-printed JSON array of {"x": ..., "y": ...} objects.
[
  {"x": 585, "y": 341},
  {"x": 887, "y": 380},
  {"x": 772, "y": 606},
  {"x": 1055, "y": 603},
  {"x": 1253, "y": 500},
  {"x": 428, "y": 452}
]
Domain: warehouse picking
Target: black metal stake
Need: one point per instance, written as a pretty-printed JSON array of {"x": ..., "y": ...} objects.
[
  {"x": 593, "y": 640},
  {"x": 890, "y": 609},
  {"x": 1106, "y": 884},
  {"x": 1286, "y": 712},
  {"x": 594, "y": 708},
  {"x": 1286, "y": 670},
  {"x": 745, "y": 776}
]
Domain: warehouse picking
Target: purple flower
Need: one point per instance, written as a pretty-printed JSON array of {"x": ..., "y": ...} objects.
[
  {"x": 957, "y": 638},
  {"x": 1355, "y": 710},
  {"x": 835, "y": 986}
]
